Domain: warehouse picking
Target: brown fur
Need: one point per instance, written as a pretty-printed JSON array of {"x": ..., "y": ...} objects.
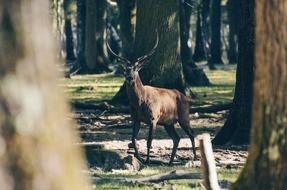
[{"x": 158, "y": 106}]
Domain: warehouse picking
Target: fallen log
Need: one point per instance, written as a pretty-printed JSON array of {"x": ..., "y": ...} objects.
[
  {"x": 125, "y": 109},
  {"x": 173, "y": 175},
  {"x": 211, "y": 109}
]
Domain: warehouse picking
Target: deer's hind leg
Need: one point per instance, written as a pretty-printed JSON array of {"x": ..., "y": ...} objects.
[
  {"x": 175, "y": 138},
  {"x": 184, "y": 123}
]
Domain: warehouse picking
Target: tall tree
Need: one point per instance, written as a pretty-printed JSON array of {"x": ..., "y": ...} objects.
[
  {"x": 95, "y": 32},
  {"x": 215, "y": 46},
  {"x": 127, "y": 25},
  {"x": 233, "y": 13},
  {"x": 165, "y": 68},
  {"x": 199, "y": 50},
  {"x": 266, "y": 166},
  {"x": 69, "y": 40},
  {"x": 58, "y": 24},
  {"x": 192, "y": 74},
  {"x": 36, "y": 138},
  {"x": 81, "y": 25},
  {"x": 237, "y": 126},
  {"x": 205, "y": 14}
]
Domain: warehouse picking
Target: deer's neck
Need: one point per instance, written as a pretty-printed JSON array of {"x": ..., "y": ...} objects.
[{"x": 136, "y": 91}]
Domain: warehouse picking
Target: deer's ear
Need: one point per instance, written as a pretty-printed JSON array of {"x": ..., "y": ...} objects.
[{"x": 139, "y": 65}]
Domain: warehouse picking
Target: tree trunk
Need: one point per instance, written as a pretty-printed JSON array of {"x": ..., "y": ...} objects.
[
  {"x": 232, "y": 12},
  {"x": 58, "y": 24},
  {"x": 127, "y": 26},
  {"x": 215, "y": 46},
  {"x": 81, "y": 38},
  {"x": 95, "y": 46},
  {"x": 127, "y": 33},
  {"x": 266, "y": 166},
  {"x": 70, "y": 55},
  {"x": 199, "y": 51},
  {"x": 164, "y": 68},
  {"x": 37, "y": 141},
  {"x": 192, "y": 74},
  {"x": 205, "y": 12},
  {"x": 236, "y": 128}
]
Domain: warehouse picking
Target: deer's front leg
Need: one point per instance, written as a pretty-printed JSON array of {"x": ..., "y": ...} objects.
[
  {"x": 136, "y": 128},
  {"x": 149, "y": 140}
]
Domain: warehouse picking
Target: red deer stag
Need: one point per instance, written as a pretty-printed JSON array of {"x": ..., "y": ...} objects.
[{"x": 154, "y": 106}]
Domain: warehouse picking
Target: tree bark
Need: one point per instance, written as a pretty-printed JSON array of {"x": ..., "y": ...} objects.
[
  {"x": 70, "y": 55},
  {"x": 206, "y": 26},
  {"x": 236, "y": 128},
  {"x": 192, "y": 74},
  {"x": 127, "y": 26},
  {"x": 266, "y": 166},
  {"x": 95, "y": 46},
  {"x": 215, "y": 46},
  {"x": 81, "y": 37},
  {"x": 36, "y": 138},
  {"x": 164, "y": 68},
  {"x": 199, "y": 50},
  {"x": 233, "y": 13}
]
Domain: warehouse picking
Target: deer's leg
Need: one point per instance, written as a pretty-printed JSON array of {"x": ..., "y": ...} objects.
[
  {"x": 186, "y": 127},
  {"x": 136, "y": 127},
  {"x": 175, "y": 138},
  {"x": 149, "y": 140}
]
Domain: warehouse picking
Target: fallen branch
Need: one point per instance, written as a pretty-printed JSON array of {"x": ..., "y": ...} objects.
[
  {"x": 211, "y": 109},
  {"x": 125, "y": 109},
  {"x": 173, "y": 175}
]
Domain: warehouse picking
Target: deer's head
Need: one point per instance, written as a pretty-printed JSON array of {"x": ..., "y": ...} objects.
[{"x": 133, "y": 67}]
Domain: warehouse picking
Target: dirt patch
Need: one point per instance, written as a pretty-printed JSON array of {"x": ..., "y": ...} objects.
[{"x": 113, "y": 131}]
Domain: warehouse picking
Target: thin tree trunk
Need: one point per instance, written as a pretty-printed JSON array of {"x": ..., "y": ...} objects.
[
  {"x": 266, "y": 166},
  {"x": 70, "y": 55},
  {"x": 37, "y": 150},
  {"x": 199, "y": 50},
  {"x": 192, "y": 74},
  {"x": 206, "y": 26},
  {"x": 232, "y": 10},
  {"x": 127, "y": 26},
  {"x": 95, "y": 50},
  {"x": 236, "y": 128},
  {"x": 81, "y": 38},
  {"x": 215, "y": 46}
]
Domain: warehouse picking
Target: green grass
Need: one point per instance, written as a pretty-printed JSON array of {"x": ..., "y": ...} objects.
[
  {"x": 229, "y": 175},
  {"x": 103, "y": 87},
  {"x": 92, "y": 87}
]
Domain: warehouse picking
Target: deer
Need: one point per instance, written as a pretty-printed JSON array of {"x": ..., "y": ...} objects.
[{"x": 154, "y": 106}]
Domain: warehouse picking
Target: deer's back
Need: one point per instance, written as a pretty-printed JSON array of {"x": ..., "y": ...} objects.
[{"x": 163, "y": 105}]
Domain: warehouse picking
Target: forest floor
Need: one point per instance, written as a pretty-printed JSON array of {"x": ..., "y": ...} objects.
[{"x": 112, "y": 132}]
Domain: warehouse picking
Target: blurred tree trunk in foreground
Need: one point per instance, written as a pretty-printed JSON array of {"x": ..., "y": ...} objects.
[
  {"x": 237, "y": 126},
  {"x": 37, "y": 150},
  {"x": 266, "y": 166}
]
